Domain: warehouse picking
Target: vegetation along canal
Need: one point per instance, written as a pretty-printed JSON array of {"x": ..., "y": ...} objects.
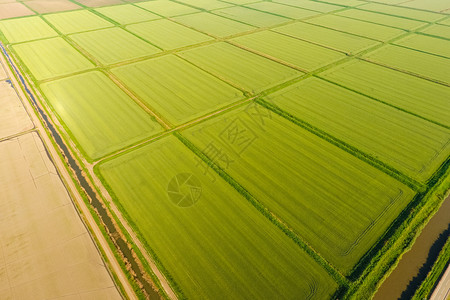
[{"x": 119, "y": 241}]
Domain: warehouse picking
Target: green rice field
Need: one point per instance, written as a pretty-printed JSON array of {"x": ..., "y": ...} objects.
[
  {"x": 78, "y": 99},
  {"x": 76, "y": 21},
  {"x": 176, "y": 89},
  {"x": 429, "y": 66},
  {"x": 167, "y": 35},
  {"x": 250, "y": 149},
  {"x": 309, "y": 184},
  {"x": 412, "y": 145},
  {"x": 113, "y": 45},
  {"x": 268, "y": 43},
  {"x": 238, "y": 66},
  {"x": 357, "y": 27},
  {"x": 56, "y": 58},
  {"x": 326, "y": 37}
]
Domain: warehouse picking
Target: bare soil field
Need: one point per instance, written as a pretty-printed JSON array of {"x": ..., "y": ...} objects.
[
  {"x": 49, "y": 6},
  {"x": 45, "y": 251},
  {"x": 13, "y": 116},
  {"x": 12, "y": 10}
]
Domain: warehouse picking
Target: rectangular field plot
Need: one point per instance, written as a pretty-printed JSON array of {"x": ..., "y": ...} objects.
[
  {"x": 427, "y": 44},
  {"x": 327, "y": 37},
  {"x": 26, "y": 29},
  {"x": 77, "y": 21},
  {"x": 282, "y": 10},
  {"x": 336, "y": 202},
  {"x": 12, "y": 112},
  {"x": 214, "y": 25},
  {"x": 360, "y": 28},
  {"x": 429, "y": 66},
  {"x": 211, "y": 241},
  {"x": 113, "y": 45},
  {"x": 167, "y": 8},
  {"x": 51, "y": 58},
  {"x": 402, "y": 12},
  {"x": 250, "y": 16},
  {"x": 98, "y": 114},
  {"x": 43, "y": 237},
  {"x": 126, "y": 14},
  {"x": 301, "y": 54},
  {"x": 381, "y": 19},
  {"x": 311, "y": 5},
  {"x": 414, "y": 146},
  {"x": 438, "y": 31},
  {"x": 168, "y": 35},
  {"x": 413, "y": 94},
  {"x": 176, "y": 89},
  {"x": 207, "y": 4},
  {"x": 249, "y": 71}
]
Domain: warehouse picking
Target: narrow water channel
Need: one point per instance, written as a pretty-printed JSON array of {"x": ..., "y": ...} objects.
[
  {"x": 416, "y": 263},
  {"x": 95, "y": 202}
]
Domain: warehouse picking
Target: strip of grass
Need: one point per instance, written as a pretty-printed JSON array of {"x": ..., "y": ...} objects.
[{"x": 417, "y": 96}]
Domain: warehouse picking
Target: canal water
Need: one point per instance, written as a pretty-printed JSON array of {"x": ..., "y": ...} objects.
[{"x": 416, "y": 263}]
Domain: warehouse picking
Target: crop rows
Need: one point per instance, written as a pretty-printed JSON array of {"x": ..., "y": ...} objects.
[{"x": 349, "y": 126}]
